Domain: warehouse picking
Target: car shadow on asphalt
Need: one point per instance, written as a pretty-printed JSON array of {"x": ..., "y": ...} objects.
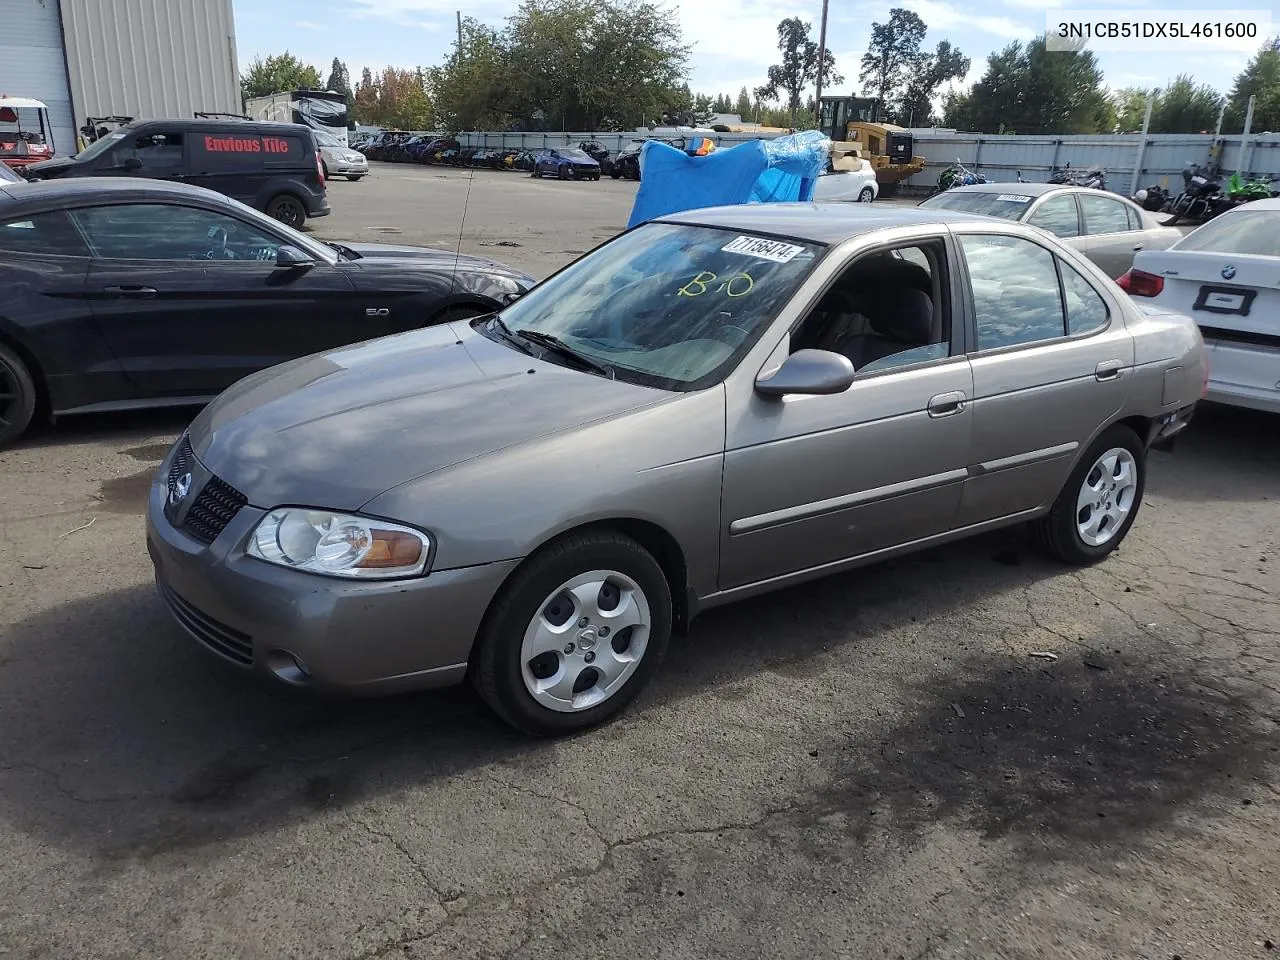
[{"x": 124, "y": 740}]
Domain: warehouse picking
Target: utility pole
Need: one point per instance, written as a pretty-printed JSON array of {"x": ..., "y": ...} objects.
[
  {"x": 1243, "y": 167},
  {"x": 459, "y": 34},
  {"x": 1142, "y": 142},
  {"x": 822, "y": 59}
]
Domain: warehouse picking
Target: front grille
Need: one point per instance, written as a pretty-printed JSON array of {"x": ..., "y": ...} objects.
[
  {"x": 181, "y": 461},
  {"x": 215, "y": 507},
  {"x": 221, "y": 639}
]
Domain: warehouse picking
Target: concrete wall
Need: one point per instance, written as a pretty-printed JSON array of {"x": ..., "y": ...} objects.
[{"x": 151, "y": 58}]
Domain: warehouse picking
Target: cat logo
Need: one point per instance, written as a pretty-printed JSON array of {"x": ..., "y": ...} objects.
[{"x": 377, "y": 312}]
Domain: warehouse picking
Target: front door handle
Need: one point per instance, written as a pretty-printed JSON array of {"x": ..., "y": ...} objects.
[
  {"x": 133, "y": 291},
  {"x": 1108, "y": 369},
  {"x": 946, "y": 404}
]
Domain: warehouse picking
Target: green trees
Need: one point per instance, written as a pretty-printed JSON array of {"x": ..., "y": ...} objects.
[
  {"x": 799, "y": 67},
  {"x": 278, "y": 74},
  {"x": 1260, "y": 79}
]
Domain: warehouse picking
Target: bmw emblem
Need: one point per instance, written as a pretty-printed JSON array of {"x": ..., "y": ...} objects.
[
  {"x": 1228, "y": 272},
  {"x": 179, "y": 489}
]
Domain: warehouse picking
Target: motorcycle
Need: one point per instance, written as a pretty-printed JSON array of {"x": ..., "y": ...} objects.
[
  {"x": 1094, "y": 177},
  {"x": 1154, "y": 198},
  {"x": 1202, "y": 197},
  {"x": 958, "y": 175}
]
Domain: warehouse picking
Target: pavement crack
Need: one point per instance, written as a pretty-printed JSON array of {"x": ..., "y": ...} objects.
[{"x": 70, "y": 794}]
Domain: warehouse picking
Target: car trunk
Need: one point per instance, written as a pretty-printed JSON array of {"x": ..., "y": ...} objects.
[{"x": 1223, "y": 293}]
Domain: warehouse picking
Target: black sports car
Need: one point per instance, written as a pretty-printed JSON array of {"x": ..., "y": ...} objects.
[{"x": 128, "y": 293}]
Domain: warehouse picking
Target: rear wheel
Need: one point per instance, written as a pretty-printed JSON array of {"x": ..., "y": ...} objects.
[
  {"x": 1100, "y": 501},
  {"x": 867, "y": 195},
  {"x": 355, "y": 177},
  {"x": 615, "y": 173},
  {"x": 17, "y": 396},
  {"x": 288, "y": 209},
  {"x": 574, "y": 635}
]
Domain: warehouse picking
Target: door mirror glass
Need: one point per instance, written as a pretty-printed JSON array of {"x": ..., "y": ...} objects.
[
  {"x": 291, "y": 257},
  {"x": 808, "y": 372},
  {"x": 131, "y": 163}
]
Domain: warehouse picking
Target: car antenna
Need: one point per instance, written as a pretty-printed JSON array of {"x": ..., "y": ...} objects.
[{"x": 457, "y": 250}]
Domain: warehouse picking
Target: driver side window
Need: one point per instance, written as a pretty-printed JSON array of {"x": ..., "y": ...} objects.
[
  {"x": 151, "y": 231},
  {"x": 886, "y": 310}
]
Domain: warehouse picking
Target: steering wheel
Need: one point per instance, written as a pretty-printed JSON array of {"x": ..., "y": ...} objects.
[{"x": 219, "y": 237}]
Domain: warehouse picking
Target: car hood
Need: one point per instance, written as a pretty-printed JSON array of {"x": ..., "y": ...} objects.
[
  {"x": 51, "y": 168},
  {"x": 429, "y": 255},
  {"x": 336, "y": 429}
]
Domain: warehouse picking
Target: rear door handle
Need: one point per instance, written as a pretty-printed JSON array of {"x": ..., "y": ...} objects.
[
  {"x": 1108, "y": 369},
  {"x": 946, "y": 404},
  {"x": 133, "y": 291}
]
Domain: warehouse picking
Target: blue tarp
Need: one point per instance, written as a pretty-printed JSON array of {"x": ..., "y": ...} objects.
[{"x": 758, "y": 171}]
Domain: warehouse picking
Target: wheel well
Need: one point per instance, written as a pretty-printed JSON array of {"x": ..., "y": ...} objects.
[
  {"x": 482, "y": 305},
  {"x": 1139, "y": 425},
  {"x": 33, "y": 367},
  {"x": 664, "y": 548}
]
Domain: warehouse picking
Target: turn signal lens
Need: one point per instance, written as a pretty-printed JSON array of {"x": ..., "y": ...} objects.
[{"x": 1139, "y": 283}]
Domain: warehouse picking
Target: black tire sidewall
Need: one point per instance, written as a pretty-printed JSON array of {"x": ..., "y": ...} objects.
[
  {"x": 1063, "y": 517},
  {"x": 866, "y": 192},
  {"x": 524, "y": 596},
  {"x": 287, "y": 201},
  {"x": 26, "y": 405}
]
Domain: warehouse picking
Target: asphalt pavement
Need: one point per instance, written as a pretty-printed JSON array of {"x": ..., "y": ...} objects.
[{"x": 971, "y": 752}]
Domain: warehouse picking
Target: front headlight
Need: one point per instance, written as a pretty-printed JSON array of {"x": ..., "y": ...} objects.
[{"x": 339, "y": 544}]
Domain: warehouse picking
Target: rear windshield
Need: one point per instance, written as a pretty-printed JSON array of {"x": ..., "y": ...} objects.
[
  {"x": 1247, "y": 232},
  {"x": 1007, "y": 206}
]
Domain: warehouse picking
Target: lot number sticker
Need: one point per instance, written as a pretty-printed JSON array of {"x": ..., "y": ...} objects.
[
  {"x": 1013, "y": 198},
  {"x": 773, "y": 250}
]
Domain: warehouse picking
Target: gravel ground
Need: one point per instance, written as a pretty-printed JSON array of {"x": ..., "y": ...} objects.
[{"x": 876, "y": 765}]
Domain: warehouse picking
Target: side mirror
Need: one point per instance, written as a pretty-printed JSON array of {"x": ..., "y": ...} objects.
[
  {"x": 290, "y": 257},
  {"x": 131, "y": 163},
  {"x": 808, "y": 373}
]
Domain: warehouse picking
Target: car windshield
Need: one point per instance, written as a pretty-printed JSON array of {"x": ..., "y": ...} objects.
[
  {"x": 101, "y": 146},
  {"x": 667, "y": 305},
  {"x": 986, "y": 203},
  {"x": 1246, "y": 232},
  {"x": 326, "y": 139},
  {"x": 7, "y": 175},
  {"x": 571, "y": 154}
]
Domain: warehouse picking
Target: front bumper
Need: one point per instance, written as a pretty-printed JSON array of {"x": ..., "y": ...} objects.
[
  {"x": 345, "y": 167},
  {"x": 322, "y": 633}
]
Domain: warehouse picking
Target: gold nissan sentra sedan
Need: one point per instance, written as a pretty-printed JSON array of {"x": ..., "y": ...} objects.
[{"x": 709, "y": 406}]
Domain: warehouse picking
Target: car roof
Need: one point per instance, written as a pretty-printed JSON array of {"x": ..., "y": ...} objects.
[
  {"x": 825, "y": 223},
  {"x": 74, "y": 189},
  {"x": 227, "y": 126},
  {"x": 1022, "y": 189}
]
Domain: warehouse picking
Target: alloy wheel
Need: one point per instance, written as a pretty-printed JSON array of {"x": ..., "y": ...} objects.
[
  {"x": 586, "y": 640},
  {"x": 1106, "y": 496}
]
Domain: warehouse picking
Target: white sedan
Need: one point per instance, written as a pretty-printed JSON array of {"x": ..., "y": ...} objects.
[
  {"x": 848, "y": 185},
  {"x": 1226, "y": 276}
]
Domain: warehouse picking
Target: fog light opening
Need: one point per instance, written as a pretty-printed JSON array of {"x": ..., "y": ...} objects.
[{"x": 288, "y": 667}]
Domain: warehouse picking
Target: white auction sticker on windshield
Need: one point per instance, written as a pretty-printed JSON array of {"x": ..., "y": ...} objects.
[
  {"x": 1014, "y": 198},
  {"x": 774, "y": 250}
]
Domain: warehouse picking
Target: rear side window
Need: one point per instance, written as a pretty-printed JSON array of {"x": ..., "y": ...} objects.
[
  {"x": 45, "y": 234},
  {"x": 159, "y": 152},
  {"x": 1086, "y": 310},
  {"x": 1103, "y": 215},
  {"x": 225, "y": 150},
  {"x": 1015, "y": 291}
]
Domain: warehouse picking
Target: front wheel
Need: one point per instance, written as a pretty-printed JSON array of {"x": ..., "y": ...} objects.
[
  {"x": 17, "y": 396},
  {"x": 1100, "y": 501},
  {"x": 574, "y": 635},
  {"x": 615, "y": 173},
  {"x": 288, "y": 209},
  {"x": 355, "y": 178}
]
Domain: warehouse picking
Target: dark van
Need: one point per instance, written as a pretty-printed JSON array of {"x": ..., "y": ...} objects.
[{"x": 273, "y": 167}]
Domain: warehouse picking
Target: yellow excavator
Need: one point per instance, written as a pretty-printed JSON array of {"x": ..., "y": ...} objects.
[{"x": 890, "y": 149}]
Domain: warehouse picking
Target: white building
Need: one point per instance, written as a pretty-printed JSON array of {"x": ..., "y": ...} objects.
[{"x": 135, "y": 58}]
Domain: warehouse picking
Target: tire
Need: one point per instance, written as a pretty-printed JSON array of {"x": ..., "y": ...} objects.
[
  {"x": 288, "y": 209},
  {"x": 324, "y": 168},
  {"x": 1059, "y": 532},
  {"x": 564, "y": 173},
  {"x": 536, "y": 174},
  {"x": 355, "y": 178},
  {"x": 866, "y": 195},
  {"x": 615, "y": 173},
  {"x": 515, "y": 626},
  {"x": 17, "y": 396}
]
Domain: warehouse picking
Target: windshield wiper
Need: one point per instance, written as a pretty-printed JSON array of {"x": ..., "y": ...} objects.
[
  {"x": 506, "y": 333},
  {"x": 344, "y": 252},
  {"x": 554, "y": 344}
]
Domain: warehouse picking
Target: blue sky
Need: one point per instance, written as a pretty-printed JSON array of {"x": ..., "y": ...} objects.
[{"x": 734, "y": 40}]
